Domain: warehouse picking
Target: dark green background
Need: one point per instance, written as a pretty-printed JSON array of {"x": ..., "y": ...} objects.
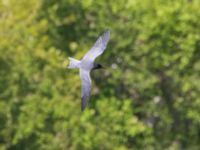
[{"x": 148, "y": 97}]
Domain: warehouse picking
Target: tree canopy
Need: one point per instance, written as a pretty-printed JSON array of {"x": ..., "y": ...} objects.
[{"x": 148, "y": 97}]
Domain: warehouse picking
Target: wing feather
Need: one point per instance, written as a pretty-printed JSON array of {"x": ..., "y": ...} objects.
[
  {"x": 98, "y": 48},
  {"x": 85, "y": 90}
]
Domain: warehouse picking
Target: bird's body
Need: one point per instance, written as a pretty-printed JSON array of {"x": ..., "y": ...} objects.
[{"x": 86, "y": 64}]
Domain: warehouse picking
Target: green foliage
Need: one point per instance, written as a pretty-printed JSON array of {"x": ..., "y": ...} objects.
[{"x": 146, "y": 98}]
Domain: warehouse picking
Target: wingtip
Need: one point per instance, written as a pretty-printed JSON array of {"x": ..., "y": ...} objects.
[
  {"x": 83, "y": 104},
  {"x": 106, "y": 34},
  {"x": 107, "y": 31},
  {"x": 82, "y": 109}
]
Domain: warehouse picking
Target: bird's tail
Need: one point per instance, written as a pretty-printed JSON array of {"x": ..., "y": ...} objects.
[{"x": 73, "y": 63}]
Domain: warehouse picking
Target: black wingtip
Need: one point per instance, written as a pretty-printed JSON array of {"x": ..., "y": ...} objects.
[
  {"x": 82, "y": 108},
  {"x": 83, "y": 104}
]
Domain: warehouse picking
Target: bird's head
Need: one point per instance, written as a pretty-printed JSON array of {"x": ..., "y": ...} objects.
[{"x": 97, "y": 66}]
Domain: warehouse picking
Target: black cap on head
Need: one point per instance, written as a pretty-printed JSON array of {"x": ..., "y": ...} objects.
[{"x": 97, "y": 66}]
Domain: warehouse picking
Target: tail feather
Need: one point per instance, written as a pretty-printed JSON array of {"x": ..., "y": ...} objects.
[{"x": 73, "y": 63}]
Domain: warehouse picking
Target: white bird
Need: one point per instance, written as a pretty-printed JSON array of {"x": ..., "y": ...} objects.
[{"x": 86, "y": 64}]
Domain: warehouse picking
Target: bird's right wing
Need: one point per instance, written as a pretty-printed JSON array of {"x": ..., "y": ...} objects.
[
  {"x": 98, "y": 48},
  {"x": 85, "y": 90}
]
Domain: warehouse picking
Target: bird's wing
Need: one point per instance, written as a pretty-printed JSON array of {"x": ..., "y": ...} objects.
[
  {"x": 86, "y": 83},
  {"x": 98, "y": 48}
]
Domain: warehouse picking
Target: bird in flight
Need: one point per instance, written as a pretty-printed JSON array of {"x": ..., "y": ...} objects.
[{"x": 87, "y": 64}]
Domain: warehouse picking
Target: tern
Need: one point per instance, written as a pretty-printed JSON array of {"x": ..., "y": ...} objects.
[{"x": 87, "y": 64}]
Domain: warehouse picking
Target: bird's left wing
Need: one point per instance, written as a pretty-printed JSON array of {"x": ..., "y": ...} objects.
[
  {"x": 98, "y": 48},
  {"x": 85, "y": 90}
]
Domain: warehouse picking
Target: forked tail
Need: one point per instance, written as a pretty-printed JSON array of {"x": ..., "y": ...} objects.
[{"x": 73, "y": 63}]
